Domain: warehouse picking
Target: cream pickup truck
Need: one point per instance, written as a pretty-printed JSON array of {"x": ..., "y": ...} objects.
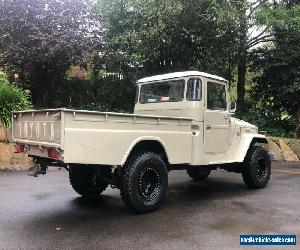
[{"x": 180, "y": 121}]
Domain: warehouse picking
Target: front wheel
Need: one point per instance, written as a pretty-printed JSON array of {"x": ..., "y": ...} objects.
[
  {"x": 198, "y": 173},
  {"x": 256, "y": 170},
  {"x": 144, "y": 182}
]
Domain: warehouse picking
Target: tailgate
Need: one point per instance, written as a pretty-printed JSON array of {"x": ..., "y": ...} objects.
[{"x": 38, "y": 130}]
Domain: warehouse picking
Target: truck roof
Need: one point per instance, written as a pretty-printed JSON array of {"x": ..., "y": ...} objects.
[{"x": 180, "y": 74}]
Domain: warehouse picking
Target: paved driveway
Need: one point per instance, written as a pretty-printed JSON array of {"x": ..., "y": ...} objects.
[{"x": 45, "y": 213}]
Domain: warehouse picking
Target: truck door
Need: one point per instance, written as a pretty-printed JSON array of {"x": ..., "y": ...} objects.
[{"x": 216, "y": 119}]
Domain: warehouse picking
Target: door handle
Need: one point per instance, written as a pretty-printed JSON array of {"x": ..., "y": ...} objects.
[{"x": 208, "y": 127}]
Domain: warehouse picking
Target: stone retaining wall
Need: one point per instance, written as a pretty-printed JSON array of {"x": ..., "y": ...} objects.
[
  {"x": 11, "y": 161},
  {"x": 285, "y": 149},
  {"x": 2, "y": 134},
  {"x": 8, "y": 159}
]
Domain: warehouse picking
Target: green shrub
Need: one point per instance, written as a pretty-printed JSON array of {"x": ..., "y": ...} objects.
[
  {"x": 11, "y": 99},
  {"x": 97, "y": 107},
  {"x": 99, "y": 94},
  {"x": 3, "y": 78},
  {"x": 275, "y": 124}
]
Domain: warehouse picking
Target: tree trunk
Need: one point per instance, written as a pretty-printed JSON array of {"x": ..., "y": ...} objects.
[
  {"x": 241, "y": 89},
  {"x": 297, "y": 131},
  {"x": 242, "y": 53},
  {"x": 35, "y": 81},
  {"x": 35, "y": 94},
  {"x": 39, "y": 86}
]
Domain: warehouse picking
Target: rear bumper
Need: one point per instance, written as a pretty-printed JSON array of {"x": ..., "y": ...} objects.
[{"x": 40, "y": 151}]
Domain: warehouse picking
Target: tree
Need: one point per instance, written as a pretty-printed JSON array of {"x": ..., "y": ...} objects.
[
  {"x": 246, "y": 12},
  {"x": 12, "y": 98},
  {"x": 40, "y": 39},
  {"x": 278, "y": 86},
  {"x": 155, "y": 37}
]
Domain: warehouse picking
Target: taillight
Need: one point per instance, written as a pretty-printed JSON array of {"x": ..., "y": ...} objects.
[
  {"x": 20, "y": 149},
  {"x": 53, "y": 154}
]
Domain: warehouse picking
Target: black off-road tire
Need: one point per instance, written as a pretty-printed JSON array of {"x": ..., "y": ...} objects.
[
  {"x": 144, "y": 182},
  {"x": 87, "y": 181},
  {"x": 198, "y": 173},
  {"x": 256, "y": 170}
]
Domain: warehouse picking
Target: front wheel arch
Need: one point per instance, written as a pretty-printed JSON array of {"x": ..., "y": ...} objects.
[{"x": 246, "y": 143}]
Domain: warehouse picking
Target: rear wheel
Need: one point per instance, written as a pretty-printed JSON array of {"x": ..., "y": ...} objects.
[
  {"x": 88, "y": 180},
  {"x": 144, "y": 182},
  {"x": 256, "y": 171},
  {"x": 198, "y": 173}
]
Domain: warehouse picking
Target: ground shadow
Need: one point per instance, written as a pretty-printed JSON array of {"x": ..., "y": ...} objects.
[{"x": 109, "y": 208}]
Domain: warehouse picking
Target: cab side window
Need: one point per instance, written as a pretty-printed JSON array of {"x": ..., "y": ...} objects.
[
  {"x": 194, "y": 89},
  {"x": 216, "y": 96}
]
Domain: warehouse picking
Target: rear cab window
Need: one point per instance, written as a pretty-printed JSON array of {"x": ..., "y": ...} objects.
[
  {"x": 194, "y": 89},
  {"x": 166, "y": 91}
]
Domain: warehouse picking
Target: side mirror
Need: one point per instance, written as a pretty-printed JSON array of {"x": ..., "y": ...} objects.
[{"x": 232, "y": 107}]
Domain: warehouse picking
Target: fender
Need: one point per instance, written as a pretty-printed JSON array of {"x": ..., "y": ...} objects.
[
  {"x": 144, "y": 138},
  {"x": 247, "y": 140}
]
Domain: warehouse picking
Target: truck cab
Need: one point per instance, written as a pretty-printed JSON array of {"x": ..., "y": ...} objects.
[{"x": 204, "y": 98}]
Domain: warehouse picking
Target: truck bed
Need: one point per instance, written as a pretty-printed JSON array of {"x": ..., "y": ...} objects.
[{"x": 89, "y": 137}]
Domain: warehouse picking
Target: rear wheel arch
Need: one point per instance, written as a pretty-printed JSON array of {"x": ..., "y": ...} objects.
[{"x": 149, "y": 145}]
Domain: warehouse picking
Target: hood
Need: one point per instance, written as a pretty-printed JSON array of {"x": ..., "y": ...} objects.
[{"x": 243, "y": 124}]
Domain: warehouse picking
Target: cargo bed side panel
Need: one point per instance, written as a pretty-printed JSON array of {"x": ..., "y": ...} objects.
[{"x": 108, "y": 138}]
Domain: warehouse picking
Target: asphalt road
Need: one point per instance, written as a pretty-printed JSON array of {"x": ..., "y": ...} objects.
[{"x": 45, "y": 213}]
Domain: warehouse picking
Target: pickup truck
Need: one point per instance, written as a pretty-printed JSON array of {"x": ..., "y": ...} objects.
[{"x": 181, "y": 121}]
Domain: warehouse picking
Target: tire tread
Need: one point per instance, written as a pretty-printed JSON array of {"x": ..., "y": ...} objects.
[
  {"x": 247, "y": 174},
  {"x": 127, "y": 177}
]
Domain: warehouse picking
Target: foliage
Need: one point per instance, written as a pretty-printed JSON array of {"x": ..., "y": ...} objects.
[
  {"x": 39, "y": 39},
  {"x": 153, "y": 37},
  {"x": 97, "y": 107},
  {"x": 11, "y": 99},
  {"x": 100, "y": 93},
  {"x": 3, "y": 78},
  {"x": 278, "y": 86},
  {"x": 249, "y": 36},
  {"x": 273, "y": 123}
]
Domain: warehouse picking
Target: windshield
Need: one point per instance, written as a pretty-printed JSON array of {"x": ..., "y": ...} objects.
[{"x": 168, "y": 91}]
